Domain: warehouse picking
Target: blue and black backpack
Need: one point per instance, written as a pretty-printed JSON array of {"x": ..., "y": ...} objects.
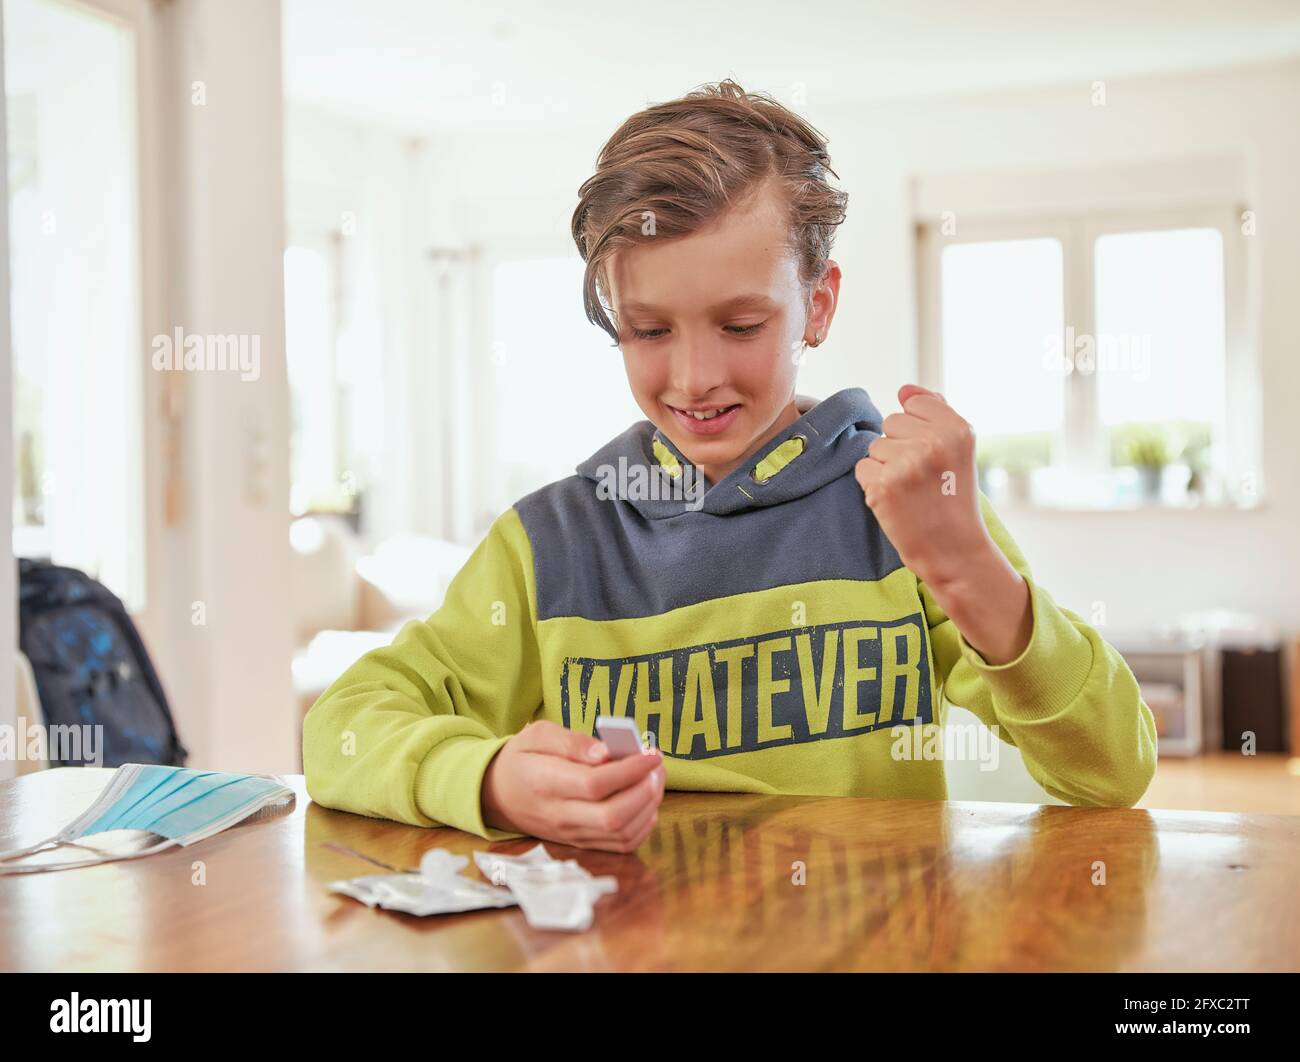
[{"x": 91, "y": 667}]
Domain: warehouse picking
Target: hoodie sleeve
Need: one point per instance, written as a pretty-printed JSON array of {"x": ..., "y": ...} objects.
[
  {"x": 408, "y": 731},
  {"x": 1069, "y": 701}
]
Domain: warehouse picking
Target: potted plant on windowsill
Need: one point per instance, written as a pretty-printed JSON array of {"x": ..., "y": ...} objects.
[
  {"x": 1195, "y": 454},
  {"x": 1146, "y": 449},
  {"x": 1016, "y": 456},
  {"x": 1019, "y": 468}
]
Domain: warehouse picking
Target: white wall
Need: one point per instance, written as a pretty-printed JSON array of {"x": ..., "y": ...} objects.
[
  {"x": 228, "y": 678},
  {"x": 8, "y": 574},
  {"x": 518, "y": 190}
]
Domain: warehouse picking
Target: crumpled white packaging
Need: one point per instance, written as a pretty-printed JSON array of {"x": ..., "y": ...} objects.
[
  {"x": 438, "y": 888},
  {"x": 552, "y": 893}
]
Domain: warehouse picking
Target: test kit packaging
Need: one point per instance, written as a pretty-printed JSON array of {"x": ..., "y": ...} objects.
[{"x": 552, "y": 893}]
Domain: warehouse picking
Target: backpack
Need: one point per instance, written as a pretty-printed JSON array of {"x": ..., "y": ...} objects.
[{"x": 91, "y": 668}]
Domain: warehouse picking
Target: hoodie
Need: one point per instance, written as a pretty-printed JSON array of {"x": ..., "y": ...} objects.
[{"x": 762, "y": 631}]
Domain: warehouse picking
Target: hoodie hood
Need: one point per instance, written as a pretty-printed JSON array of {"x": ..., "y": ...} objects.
[{"x": 642, "y": 466}]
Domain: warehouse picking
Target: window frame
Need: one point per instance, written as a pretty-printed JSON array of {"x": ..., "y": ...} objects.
[
  {"x": 149, "y": 508},
  {"x": 1080, "y": 445}
]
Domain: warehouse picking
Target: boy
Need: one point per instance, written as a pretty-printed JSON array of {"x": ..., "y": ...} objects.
[{"x": 777, "y": 590}]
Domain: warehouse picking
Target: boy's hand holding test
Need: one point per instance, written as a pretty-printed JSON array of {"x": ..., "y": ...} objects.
[{"x": 559, "y": 785}]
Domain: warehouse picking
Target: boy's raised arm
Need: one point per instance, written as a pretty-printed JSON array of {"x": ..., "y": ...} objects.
[
  {"x": 408, "y": 731},
  {"x": 1069, "y": 701}
]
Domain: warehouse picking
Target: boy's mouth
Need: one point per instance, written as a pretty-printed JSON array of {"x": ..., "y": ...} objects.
[{"x": 705, "y": 420}]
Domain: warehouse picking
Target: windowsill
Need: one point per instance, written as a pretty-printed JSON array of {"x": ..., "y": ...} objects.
[
  {"x": 1013, "y": 504},
  {"x": 1118, "y": 490}
]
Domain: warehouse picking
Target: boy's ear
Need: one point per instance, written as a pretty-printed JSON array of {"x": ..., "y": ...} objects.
[{"x": 823, "y": 300}]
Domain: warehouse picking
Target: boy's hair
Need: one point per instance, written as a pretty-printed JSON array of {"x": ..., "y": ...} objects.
[{"x": 675, "y": 167}]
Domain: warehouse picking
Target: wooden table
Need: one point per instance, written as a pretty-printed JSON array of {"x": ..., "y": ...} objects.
[{"x": 887, "y": 885}]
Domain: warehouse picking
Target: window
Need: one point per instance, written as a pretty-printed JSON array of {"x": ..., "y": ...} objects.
[
  {"x": 1093, "y": 356},
  {"x": 999, "y": 301},
  {"x": 74, "y": 243},
  {"x": 557, "y": 385},
  {"x": 1161, "y": 295},
  {"x": 335, "y": 383}
]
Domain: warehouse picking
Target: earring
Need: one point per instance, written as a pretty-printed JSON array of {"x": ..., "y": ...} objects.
[{"x": 817, "y": 339}]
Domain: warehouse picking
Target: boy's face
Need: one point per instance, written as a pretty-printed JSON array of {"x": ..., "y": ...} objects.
[{"x": 712, "y": 323}]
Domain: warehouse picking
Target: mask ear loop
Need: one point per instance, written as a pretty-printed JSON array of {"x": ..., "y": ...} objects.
[
  {"x": 38, "y": 868},
  {"x": 64, "y": 836},
  {"x": 122, "y": 777},
  {"x": 18, "y": 852}
]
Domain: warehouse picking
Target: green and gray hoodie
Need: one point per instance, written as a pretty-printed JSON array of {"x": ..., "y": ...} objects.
[{"x": 761, "y": 630}]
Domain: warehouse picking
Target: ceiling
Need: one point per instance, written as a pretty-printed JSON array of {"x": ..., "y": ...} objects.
[{"x": 426, "y": 65}]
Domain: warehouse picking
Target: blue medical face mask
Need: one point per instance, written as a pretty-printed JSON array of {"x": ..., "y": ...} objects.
[{"x": 180, "y": 805}]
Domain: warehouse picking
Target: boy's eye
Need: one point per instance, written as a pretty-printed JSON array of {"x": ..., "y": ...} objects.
[{"x": 735, "y": 330}]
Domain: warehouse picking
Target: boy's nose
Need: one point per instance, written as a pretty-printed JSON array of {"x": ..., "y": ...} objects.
[{"x": 696, "y": 369}]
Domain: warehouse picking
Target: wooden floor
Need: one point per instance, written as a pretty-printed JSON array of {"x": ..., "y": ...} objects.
[{"x": 1267, "y": 784}]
